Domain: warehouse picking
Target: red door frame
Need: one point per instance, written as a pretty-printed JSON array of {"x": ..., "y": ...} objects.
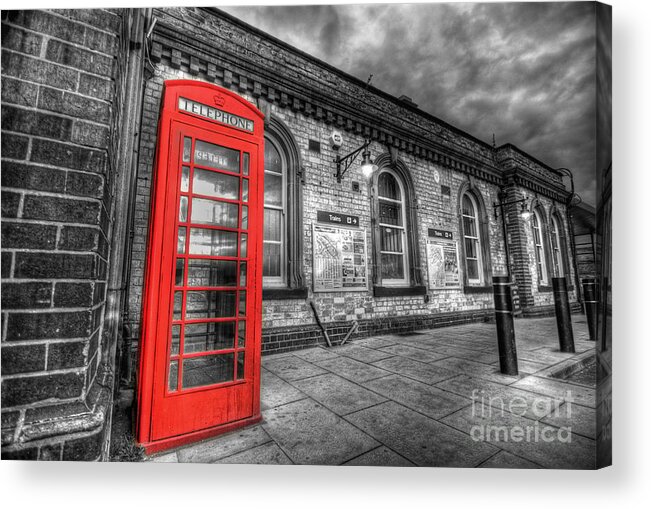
[{"x": 209, "y": 123}]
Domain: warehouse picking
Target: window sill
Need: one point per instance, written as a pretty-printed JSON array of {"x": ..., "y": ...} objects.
[
  {"x": 398, "y": 291},
  {"x": 284, "y": 293},
  {"x": 477, "y": 289}
]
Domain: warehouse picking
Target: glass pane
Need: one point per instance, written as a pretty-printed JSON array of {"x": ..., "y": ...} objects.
[
  {"x": 272, "y": 224},
  {"x": 216, "y": 213},
  {"x": 185, "y": 179},
  {"x": 390, "y": 213},
  {"x": 209, "y": 304},
  {"x": 245, "y": 190},
  {"x": 181, "y": 243},
  {"x": 240, "y": 366},
  {"x": 178, "y": 305},
  {"x": 471, "y": 248},
  {"x": 392, "y": 266},
  {"x": 272, "y": 160},
  {"x": 211, "y": 369},
  {"x": 180, "y": 266},
  {"x": 241, "y": 334},
  {"x": 213, "y": 242},
  {"x": 176, "y": 339},
  {"x": 243, "y": 274},
  {"x": 187, "y": 149},
  {"x": 473, "y": 269},
  {"x": 467, "y": 208},
  {"x": 183, "y": 209},
  {"x": 212, "y": 272},
  {"x": 245, "y": 217},
  {"x": 388, "y": 187},
  {"x": 273, "y": 189},
  {"x": 203, "y": 337},
  {"x": 271, "y": 260},
  {"x": 391, "y": 240},
  {"x": 245, "y": 163},
  {"x": 215, "y": 156},
  {"x": 215, "y": 184},
  {"x": 242, "y": 309},
  {"x": 173, "y": 376},
  {"x": 243, "y": 245},
  {"x": 469, "y": 227}
]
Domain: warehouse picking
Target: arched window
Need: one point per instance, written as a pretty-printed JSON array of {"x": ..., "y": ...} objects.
[
  {"x": 395, "y": 234},
  {"x": 539, "y": 246},
  {"x": 557, "y": 255},
  {"x": 274, "y": 259},
  {"x": 471, "y": 239},
  {"x": 282, "y": 267},
  {"x": 394, "y": 260}
]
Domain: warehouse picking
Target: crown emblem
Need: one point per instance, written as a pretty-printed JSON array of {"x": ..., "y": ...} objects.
[{"x": 219, "y": 100}]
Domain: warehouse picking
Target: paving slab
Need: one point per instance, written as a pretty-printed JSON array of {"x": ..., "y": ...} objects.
[
  {"x": 274, "y": 391},
  {"x": 476, "y": 369},
  {"x": 265, "y": 454},
  {"x": 418, "y": 438},
  {"x": 582, "y": 420},
  {"x": 170, "y": 457},
  {"x": 291, "y": 367},
  {"x": 310, "y": 434},
  {"x": 351, "y": 369},
  {"x": 214, "y": 449},
  {"x": 361, "y": 353},
  {"x": 540, "y": 443},
  {"x": 338, "y": 394},
  {"x": 484, "y": 394},
  {"x": 376, "y": 341},
  {"x": 315, "y": 354},
  {"x": 580, "y": 394},
  {"x": 505, "y": 459},
  {"x": 426, "y": 373},
  {"x": 413, "y": 353},
  {"x": 418, "y": 396},
  {"x": 380, "y": 457}
]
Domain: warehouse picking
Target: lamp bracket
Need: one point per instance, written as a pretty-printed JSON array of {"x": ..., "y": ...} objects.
[{"x": 348, "y": 160}]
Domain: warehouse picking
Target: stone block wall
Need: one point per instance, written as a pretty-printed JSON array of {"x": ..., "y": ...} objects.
[{"x": 58, "y": 108}]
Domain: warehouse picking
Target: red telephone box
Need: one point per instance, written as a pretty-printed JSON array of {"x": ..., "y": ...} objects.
[{"x": 201, "y": 329}]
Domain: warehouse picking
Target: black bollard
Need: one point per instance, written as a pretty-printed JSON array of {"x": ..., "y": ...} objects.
[
  {"x": 505, "y": 329},
  {"x": 563, "y": 315},
  {"x": 590, "y": 301}
]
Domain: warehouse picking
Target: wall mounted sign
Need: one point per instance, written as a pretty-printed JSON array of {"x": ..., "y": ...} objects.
[
  {"x": 335, "y": 218},
  {"x": 439, "y": 234},
  {"x": 217, "y": 115},
  {"x": 339, "y": 257},
  {"x": 442, "y": 260}
]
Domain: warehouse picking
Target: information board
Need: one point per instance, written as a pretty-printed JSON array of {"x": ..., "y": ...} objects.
[
  {"x": 339, "y": 257},
  {"x": 442, "y": 264}
]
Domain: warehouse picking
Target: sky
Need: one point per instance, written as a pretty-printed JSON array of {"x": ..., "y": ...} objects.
[{"x": 523, "y": 72}]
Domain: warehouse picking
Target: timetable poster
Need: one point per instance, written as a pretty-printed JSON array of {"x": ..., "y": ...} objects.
[{"x": 339, "y": 259}]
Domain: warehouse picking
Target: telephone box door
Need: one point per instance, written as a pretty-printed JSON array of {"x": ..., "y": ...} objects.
[{"x": 200, "y": 363}]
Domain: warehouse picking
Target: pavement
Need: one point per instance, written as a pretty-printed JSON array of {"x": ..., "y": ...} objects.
[{"x": 427, "y": 398}]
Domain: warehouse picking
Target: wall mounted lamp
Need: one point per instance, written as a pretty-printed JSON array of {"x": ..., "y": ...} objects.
[
  {"x": 524, "y": 213},
  {"x": 368, "y": 167}
]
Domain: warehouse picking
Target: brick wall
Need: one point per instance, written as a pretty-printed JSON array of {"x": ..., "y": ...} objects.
[{"x": 58, "y": 102}]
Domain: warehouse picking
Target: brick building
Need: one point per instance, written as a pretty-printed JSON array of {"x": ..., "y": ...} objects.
[{"x": 81, "y": 99}]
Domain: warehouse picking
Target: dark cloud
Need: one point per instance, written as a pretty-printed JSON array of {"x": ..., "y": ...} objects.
[{"x": 525, "y": 72}]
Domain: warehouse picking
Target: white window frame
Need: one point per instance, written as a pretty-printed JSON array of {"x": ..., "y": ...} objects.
[
  {"x": 404, "y": 281},
  {"x": 278, "y": 281},
  {"x": 477, "y": 239},
  {"x": 539, "y": 247},
  {"x": 557, "y": 255}
]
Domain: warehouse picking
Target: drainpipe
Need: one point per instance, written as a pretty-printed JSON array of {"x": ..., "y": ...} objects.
[{"x": 124, "y": 190}]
